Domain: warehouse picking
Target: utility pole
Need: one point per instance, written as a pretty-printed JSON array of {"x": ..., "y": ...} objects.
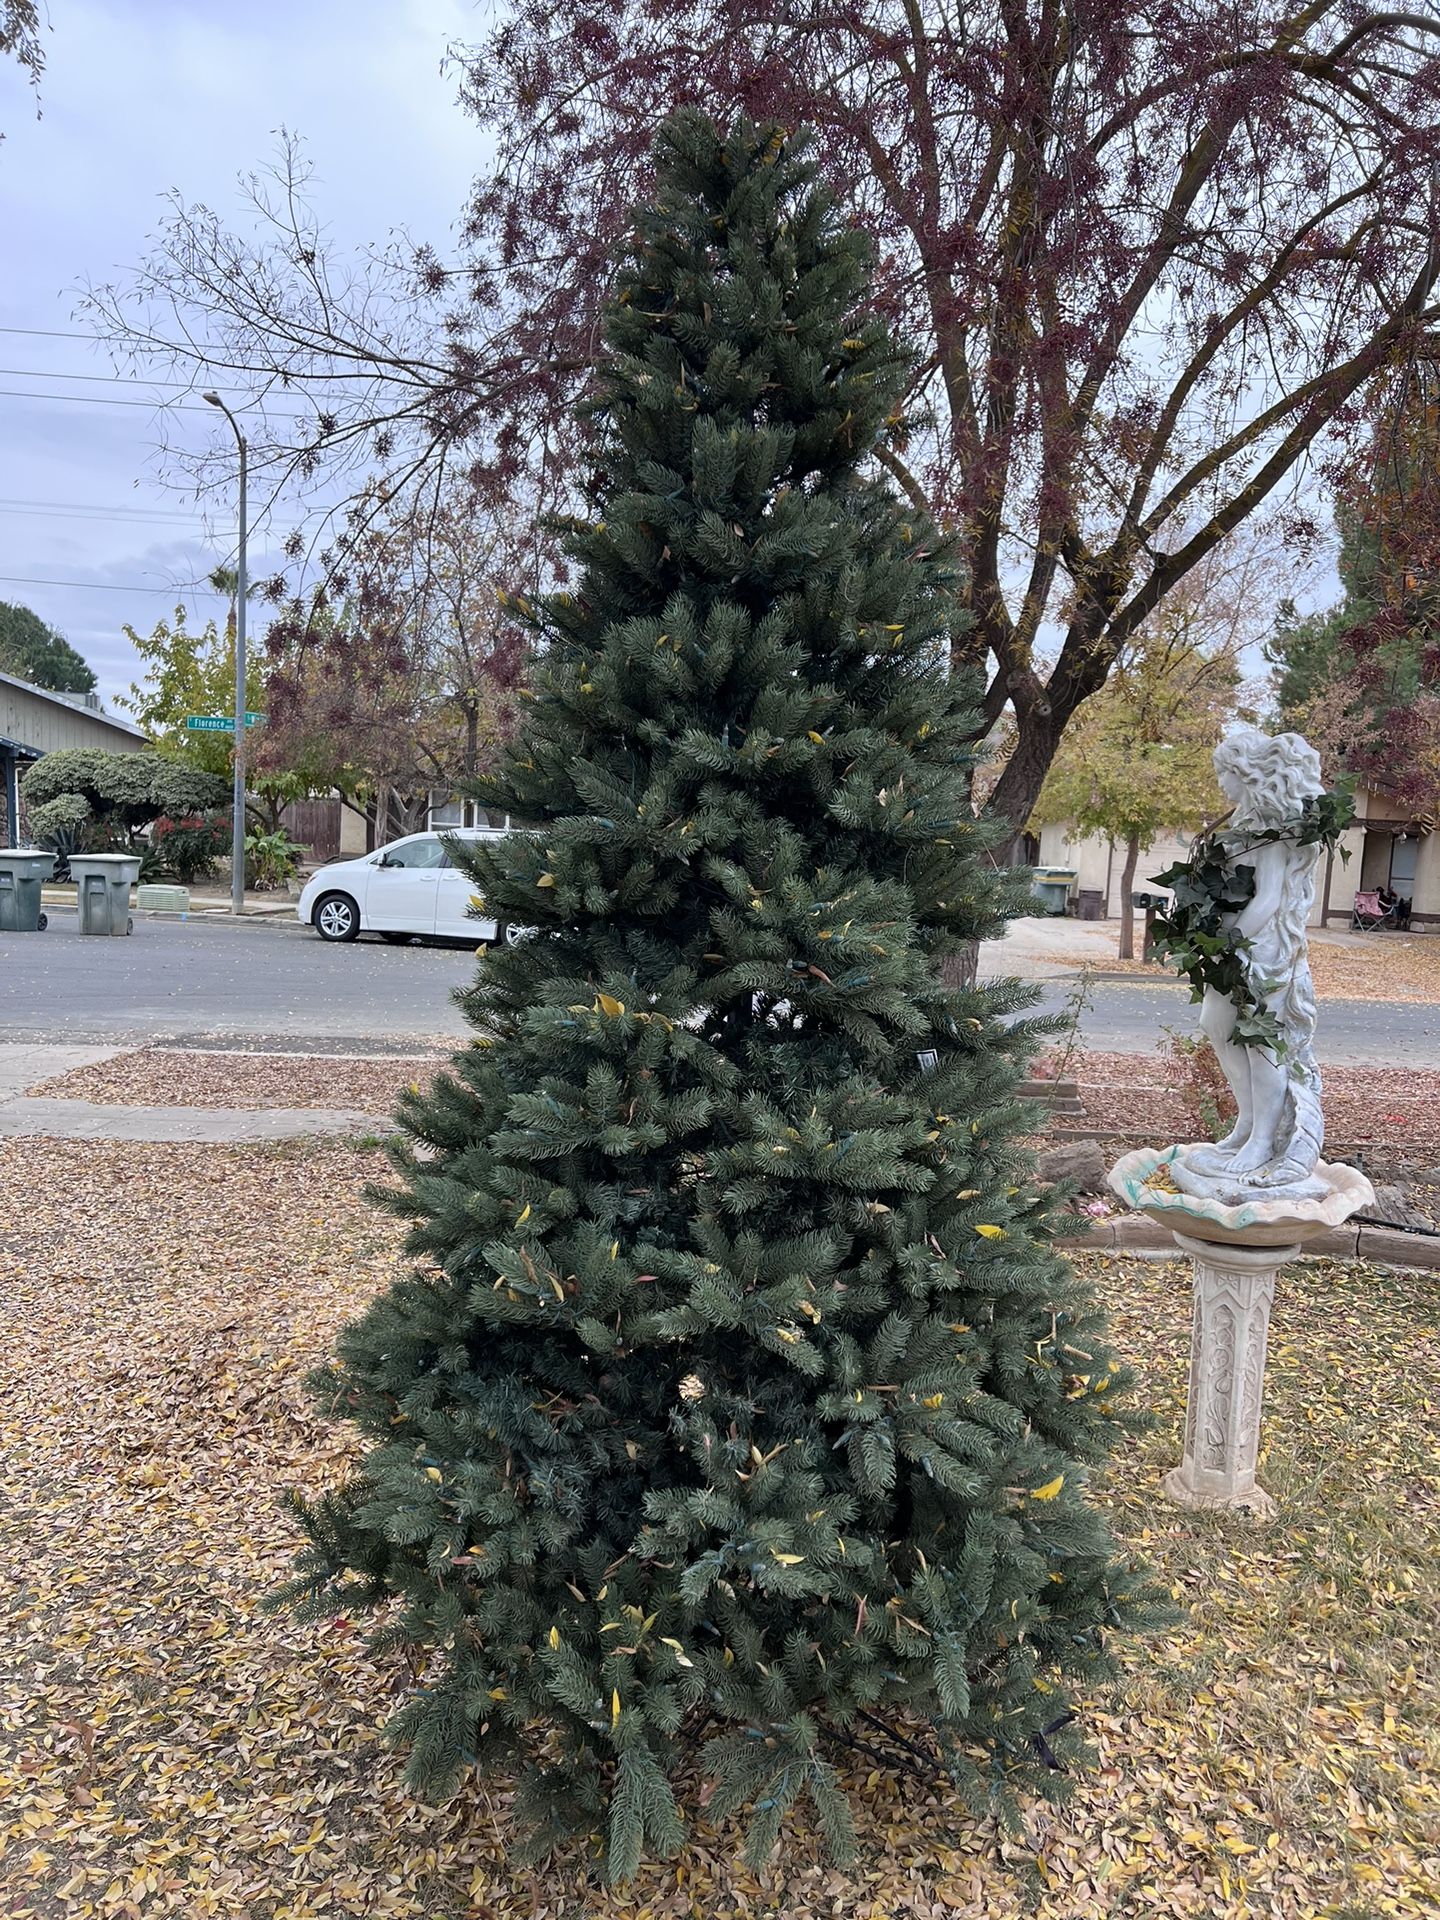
[{"x": 237, "y": 832}]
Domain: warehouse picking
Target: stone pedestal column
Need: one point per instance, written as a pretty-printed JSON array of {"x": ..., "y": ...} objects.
[{"x": 1234, "y": 1289}]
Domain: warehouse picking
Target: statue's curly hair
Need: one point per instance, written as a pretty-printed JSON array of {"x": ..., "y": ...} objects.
[{"x": 1278, "y": 772}]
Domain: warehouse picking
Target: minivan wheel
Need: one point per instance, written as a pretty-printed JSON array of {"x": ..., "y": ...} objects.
[{"x": 336, "y": 917}]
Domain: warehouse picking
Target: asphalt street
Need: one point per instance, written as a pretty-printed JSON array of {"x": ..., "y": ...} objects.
[
  {"x": 1126, "y": 1016},
  {"x": 218, "y": 981},
  {"x": 212, "y": 981}
]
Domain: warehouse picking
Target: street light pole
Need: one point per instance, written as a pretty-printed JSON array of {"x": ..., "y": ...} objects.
[{"x": 237, "y": 831}]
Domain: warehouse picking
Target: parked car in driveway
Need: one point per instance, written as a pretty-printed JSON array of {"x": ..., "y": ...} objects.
[{"x": 407, "y": 888}]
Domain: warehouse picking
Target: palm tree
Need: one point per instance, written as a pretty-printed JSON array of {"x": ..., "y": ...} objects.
[{"x": 226, "y": 580}]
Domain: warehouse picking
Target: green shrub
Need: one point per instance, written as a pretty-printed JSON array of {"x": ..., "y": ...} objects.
[
  {"x": 190, "y": 848},
  {"x": 123, "y": 791},
  {"x": 271, "y": 860},
  {"x": 66, "y": 816}
]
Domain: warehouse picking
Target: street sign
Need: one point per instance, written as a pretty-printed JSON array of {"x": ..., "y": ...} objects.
[{"x": 220, "y": 722}]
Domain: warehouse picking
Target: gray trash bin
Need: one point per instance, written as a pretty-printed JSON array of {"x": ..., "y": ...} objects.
[
  {"x": 23, "y": 872},
  {"x": 102, "y": 884}
]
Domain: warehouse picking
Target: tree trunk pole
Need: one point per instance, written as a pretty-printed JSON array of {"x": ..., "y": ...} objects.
[
  {"x": 1127, "y": 887},
  {"x": 472, "y": 734}
]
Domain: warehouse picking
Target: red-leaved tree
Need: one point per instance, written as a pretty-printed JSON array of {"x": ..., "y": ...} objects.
[
  {"x": 396, "y": 680},
  {"x": 1150, "y": 255},
  {"x": 1373, "y": 702}
]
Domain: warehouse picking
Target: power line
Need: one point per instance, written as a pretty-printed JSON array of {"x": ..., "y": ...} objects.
[
  {"x": 97, "y": 506},
  {"x": 101, "y": 400},
  {"x": 216, "y": 526},
  {"x": 100, "y": 586},
  {"x": 123, "y": 516},
  {"x": 55, "y": 333},
  {"x": 49, "y": 333},
  {"x": 115, "y": 379},
  {"x": 145, "y": 380},
  {"x": 110, "y": 514}
]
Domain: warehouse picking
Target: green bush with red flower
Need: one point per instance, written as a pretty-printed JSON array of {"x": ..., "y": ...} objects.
[{"x": 189, "y": 848}]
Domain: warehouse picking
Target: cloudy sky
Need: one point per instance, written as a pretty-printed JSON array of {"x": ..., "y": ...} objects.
[{"x": 141, "y": 97}]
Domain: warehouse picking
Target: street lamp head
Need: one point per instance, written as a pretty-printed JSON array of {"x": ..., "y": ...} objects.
[{"x": 213, "y": 398}]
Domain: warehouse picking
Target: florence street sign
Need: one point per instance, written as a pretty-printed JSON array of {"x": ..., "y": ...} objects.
[{"x": 220, "y": 722}]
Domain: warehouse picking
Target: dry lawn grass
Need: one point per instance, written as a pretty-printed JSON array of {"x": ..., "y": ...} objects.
[
  {"x": 167, "y": 1750},
  {"x": 1389, "y": 966}
]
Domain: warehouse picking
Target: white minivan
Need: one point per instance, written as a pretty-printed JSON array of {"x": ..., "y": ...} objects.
[{"x": 407, "y": 888}]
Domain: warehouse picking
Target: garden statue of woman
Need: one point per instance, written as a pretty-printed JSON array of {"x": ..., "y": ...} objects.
[{"x": 1236, "y": 928}]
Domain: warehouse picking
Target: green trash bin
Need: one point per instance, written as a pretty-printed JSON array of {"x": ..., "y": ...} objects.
[
  {"x": 23, "y": 872},
  {"x": 102, "y": 885},
  {"x": 1051, "y": 886}
]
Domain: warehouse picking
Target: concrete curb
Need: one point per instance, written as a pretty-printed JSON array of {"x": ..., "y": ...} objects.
[
  {"x": 202, "y": 906},
  {"x": 1386, "y": 1246},
  {"x": 1116, "y": 977}
]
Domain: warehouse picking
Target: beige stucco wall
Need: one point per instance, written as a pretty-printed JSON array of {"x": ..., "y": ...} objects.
[
  {"x": 352, "y": 833},
  {"x": 1096, "y": 860},
  {"x": 1099, "y": 865},
  {"x": 1339, "y": 878},
  {"x": 1369, "y": 865},
  {"x": 1427, "y": 879}
]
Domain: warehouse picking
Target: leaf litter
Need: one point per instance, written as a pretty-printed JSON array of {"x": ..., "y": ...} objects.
[
  {"x": 177, "y": 1076},
  {"x": 167, "y": 1749},
  {"x": 1139, "y": 1095}
]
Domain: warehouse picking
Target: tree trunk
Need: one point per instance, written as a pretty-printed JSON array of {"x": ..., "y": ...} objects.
[
  {"x": 411, "y": 808},
  {"x": 959, "y": 970},
  {"x": 1018, "y": 787},
  {"x": 1042, "y": 714},
  {"x": 472, "y": 734},
  {"x": 1127, "y": 885}
]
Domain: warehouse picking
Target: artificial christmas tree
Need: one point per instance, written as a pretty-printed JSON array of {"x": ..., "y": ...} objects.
[{"x": 738, "y": 1390}]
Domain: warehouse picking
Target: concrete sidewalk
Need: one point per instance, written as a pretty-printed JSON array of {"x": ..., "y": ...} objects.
[
  {"x": 58, "y": 898},
  {"x": 31, "y": 1063},
  {"x": 25, "y": 1063},
  {"x": 1048, "y": 947},
  {"x": 88, "y": 1120}
]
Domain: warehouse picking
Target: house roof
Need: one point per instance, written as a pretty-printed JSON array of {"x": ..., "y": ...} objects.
[{"x": 74, "y": 703}]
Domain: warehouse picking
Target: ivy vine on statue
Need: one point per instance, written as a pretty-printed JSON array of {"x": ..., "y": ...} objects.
[
  {"x": 1236, "y": 929},
  {"x": 736, "y": 1416}
]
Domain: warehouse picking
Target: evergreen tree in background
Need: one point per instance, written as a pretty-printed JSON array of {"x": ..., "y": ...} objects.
[
  {"x": 35, "y": 652},
  {"x": 738, "y": 1391}
]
